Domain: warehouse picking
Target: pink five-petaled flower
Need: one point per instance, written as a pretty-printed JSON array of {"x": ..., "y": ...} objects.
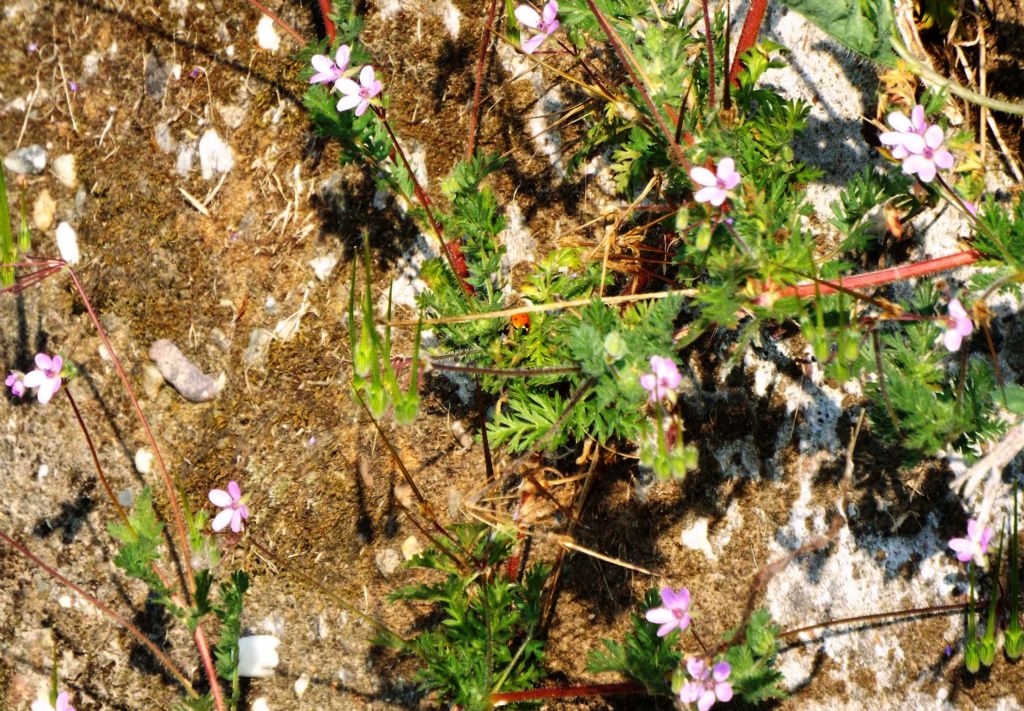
[
  {"x": 234, "y": 510},
  {"x": 903, "y": 127},
  {"x": 708, "y": 685},
  {"x": 975, "y": 545},
  {"x": 958, "y": 326},
  {"x": 46, "y": 376},
  {"x": 62, "y": 704},
  {"x": 545, "y": 22},
  {"x": 918, "y": 144},
  {"x": 16, "y": 382},
  {"x": 717, "y": 184},
  {"x": 358, "y": 96},
  {"x": 330, "y": 70},
  {"x": 663, "y": 379},
  {"x": 674, "y": 612}
]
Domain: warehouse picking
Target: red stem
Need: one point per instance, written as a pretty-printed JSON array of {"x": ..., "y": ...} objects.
[
  {"x": 711, "y": 55},
  {"x": 481, "y": 58},
  {"x": 748, "y": 35},
  {"x": 625, "y": 687},
  {"x": 877, "y": 278},
  {"x": 325, "y": 14}
]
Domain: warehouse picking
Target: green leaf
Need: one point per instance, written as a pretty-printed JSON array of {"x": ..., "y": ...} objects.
[{"x": 863, "y": 26}]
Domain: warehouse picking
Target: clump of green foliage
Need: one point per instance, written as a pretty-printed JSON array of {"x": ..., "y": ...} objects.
[{"x": 486, "y": 640}]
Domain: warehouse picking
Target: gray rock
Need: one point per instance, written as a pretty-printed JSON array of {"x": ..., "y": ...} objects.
[
  {"x": 156, "y": 73},
  {"x": 30, "y": 160},
  {"x": 388, "y": 561},
  {"x": 191, "y": 383}
]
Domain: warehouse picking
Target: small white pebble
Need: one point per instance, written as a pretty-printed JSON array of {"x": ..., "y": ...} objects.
[
  {"x": 215, "y": 156},
  {"x": 67, "y": 243},
  {"x": 266, "y": 35},
  {"x": 410, "y": 547},
  {"x": 143, "y": 461},
  {"x": 260, "y": 704},
  {"x": 44, "y": 471},
  {"x": 43, "y": 211},
  {"x": 64, "y": 169},
  {"x": 323, "y": 266},
  {"x": 64, "y": 601},
  {"x": 104, "y": 353},
  {"x": 301, "y": 684},
  {"x": 230, "y": 51}
]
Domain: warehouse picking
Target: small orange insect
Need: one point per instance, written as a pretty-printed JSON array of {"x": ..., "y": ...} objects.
[{"x": 521, "y": 321}]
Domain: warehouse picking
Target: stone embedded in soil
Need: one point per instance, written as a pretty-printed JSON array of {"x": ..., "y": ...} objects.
[
  {"x": 323, "y": 266},
  {"x": 67, "y": 243},
  {"x": 163, "y": 137},
  {"x": 156, "y": 73},
  {"x": 43, "y": 211},
  {"x": 30, "y": 160},
  {"x": 65, "y": 170},
  {"x": 301, "y": 684},
  {"x": 411, "y": 546},
  {"x": 191, "y": 383},
  {"x": 388, "y": 561},
  {"x": 259, "y": 343},
  {"x": 215, "y": 156},
  {"x": 266, "y": 35},
  {"x": 143, "y": 460}
]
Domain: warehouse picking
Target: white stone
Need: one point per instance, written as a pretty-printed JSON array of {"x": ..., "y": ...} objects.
[
  {"x": 67, "y": 243},
  {"x": 183, "y": 163},
  {"x": 65, "y": 170},
  {"x": 44, "y": 471},
  {"x": 43, "y": 211},
  {"x": 215, "y": 156},
  {"x": 266, "y": 35},
  {"x": 260, "y": 704},
  {"x": 257, "y": 656},
  {"x": 64, "y": 601},
  {"x": 143, "y": 461},
  {"x": 301, "y": 684},
  {"x": 696, "y": 538},
  {"x": 164, "y": 138},
  {"x": 323, "y": 266}
]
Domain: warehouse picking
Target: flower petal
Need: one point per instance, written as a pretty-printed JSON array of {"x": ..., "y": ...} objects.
[
  {"x": 236, "y": 521},
  {"x": 221, "y": 520},
  {"x": 706, "y": 700},
  {"x": 714, "y": 195},
  {"x": 528, "y": 16},
  {"x": 918, "y": 124},
  {"x": 944, "y": 159},
  {"x": 550, "y": 12},
  {"x": 43, "y": 361},
  {"x": 913, "y": 143},
  {"x": 726, "y": 167},
  {"x": 723, "y": 691},
  {"x": 659, "y": 615},
  {"x": 721, "y": 672},
  {"x": 347, "y": 87},
  {"x": 48, "y": 389},
  {"x": 667, "y": 627},
  {"x": 530, "y": 46},
  {"x": 361, "y": 108},
  {"x": 322, "y": 63},
  {"x": 899, "y": 122},
  {"x": 697, "y": 668},
  {"x": 342, "y": 56},
  {"x": 349, "y": 101},
  {"x": 952, "y": 340},
  {"x": 34, "y": 378},
  {"x": 934, "y": 137},
  {"x": 892, "y": 138},
  {"x": 703, "y": 176},
  {"x": 234, "y": 490},
  {"x": 366, "y": 77},
  {"x": 219, "y": 497},
  {"x": 957, "y": 311}
]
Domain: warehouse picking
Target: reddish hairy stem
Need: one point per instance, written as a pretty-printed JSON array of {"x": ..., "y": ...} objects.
[
  {"x": 616, "y": 42},
  {"x": 278, "y": 21},
  {"x": 421, "y": 195},
  {"x": 325, "y": 15},
  {"x": 122, "y": 622},
  {"x": 200, "y": 638},
  {"x": 932, "y": 610},
  {"x": 878, "y": 278},
  {"x": 481, "y": 59},
  {"x": 748, "y": 35},
  {"x": 625, "y": 687},
  {"x": 711, "y": 55},
  {"x": 96, "y": 460}
]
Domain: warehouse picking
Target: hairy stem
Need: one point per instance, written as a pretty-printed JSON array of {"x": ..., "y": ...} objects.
[{"x": 481, "y": 60}]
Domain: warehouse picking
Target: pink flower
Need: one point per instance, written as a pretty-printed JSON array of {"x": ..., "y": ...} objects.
[
  {"x": 545, "y": 23},
  {"x": 717, "y": 184},
  {"x": 674, "y": 613},
  {"x": 904, "y": 127},
  {"x": 16, "y": 382},
  {"x": 708, "y": 685},
  {"x": 918, "y": 144},
  {"x": 46, "y": 376},
  {"x": 663, "y": 379},
  {"x": 358, "y": 96},
  {"x": 234, "y": 510},
  {"x": 62, "y": 704},
  {"x": 974, "y": 546},
  {"x": 330, "y": 70},
  {"x": 958, "y": 326}
]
